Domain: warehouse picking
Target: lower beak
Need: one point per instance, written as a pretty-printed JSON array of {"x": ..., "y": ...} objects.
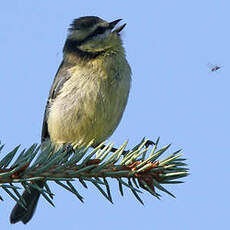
[{"x": 120, "y": 28}]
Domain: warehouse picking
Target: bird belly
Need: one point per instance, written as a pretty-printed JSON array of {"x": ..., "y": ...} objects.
[{"x": 87, "y": 109}]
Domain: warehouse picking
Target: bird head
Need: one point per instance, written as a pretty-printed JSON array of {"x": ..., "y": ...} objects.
[{"x": 92, "y": 34}]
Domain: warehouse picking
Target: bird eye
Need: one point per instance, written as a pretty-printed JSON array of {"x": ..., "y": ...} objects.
[{"x": 100, "y": 30}]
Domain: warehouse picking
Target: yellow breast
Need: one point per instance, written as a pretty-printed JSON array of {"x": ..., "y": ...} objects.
[{"x": 91, "y": 103}]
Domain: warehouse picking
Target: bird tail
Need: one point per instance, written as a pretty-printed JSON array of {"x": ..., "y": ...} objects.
[{"x": 31, "y": 197}]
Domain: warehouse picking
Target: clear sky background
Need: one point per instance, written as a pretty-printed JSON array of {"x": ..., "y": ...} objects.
[{"x": 174, "y": 95}]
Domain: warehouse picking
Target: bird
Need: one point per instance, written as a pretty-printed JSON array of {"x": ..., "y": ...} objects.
[{"x": 88, "y": 95}]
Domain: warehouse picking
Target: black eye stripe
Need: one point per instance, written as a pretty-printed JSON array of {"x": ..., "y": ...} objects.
[
  {"x": 100, "y": 30},
  {"x": 71, "y": 44}
]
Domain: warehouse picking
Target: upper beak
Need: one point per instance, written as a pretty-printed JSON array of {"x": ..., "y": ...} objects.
[{"x": 114, "y": 23}]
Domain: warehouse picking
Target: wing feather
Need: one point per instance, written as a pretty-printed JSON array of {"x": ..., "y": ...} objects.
[{"x": 61, "y": 77}]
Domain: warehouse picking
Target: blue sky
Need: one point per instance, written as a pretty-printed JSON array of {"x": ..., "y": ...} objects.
[{"x": 174, "y": 95}]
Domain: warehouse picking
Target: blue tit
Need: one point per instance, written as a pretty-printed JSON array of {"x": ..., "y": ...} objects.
[{"x": 88, "y": 95}]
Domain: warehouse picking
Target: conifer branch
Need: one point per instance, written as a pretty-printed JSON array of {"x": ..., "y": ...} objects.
[{"x": 137, "y": 169}]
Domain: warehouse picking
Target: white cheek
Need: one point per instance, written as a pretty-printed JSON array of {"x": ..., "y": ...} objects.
[{"x": 102, "y": 36}]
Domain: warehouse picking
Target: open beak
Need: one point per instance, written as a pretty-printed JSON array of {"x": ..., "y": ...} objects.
[{"x": 114, "y": 23}]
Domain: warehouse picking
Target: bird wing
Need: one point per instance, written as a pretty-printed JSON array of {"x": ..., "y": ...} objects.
[{"x": 61, "y": 77}]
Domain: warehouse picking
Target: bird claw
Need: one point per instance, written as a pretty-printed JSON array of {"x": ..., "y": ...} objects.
[{"x": 148, "y": 143}]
